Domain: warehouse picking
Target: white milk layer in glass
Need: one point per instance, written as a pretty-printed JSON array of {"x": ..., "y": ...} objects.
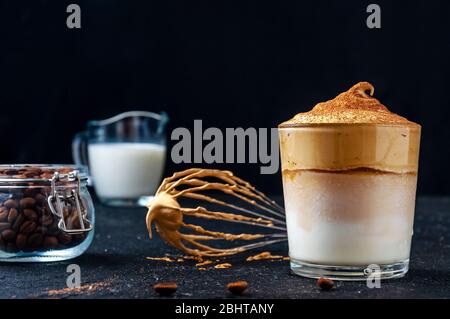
[{"x": 353, "y": 218}]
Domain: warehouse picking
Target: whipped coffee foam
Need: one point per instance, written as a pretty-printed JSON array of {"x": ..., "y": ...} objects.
[
  {"x": 356, "y": 106},
  {"x": 354, "y": 130}
]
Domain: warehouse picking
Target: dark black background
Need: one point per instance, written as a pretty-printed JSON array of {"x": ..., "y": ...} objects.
[{"x": 231, "y": 64}]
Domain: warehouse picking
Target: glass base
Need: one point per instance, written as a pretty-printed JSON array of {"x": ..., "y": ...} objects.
[
  {"x": 49, "y": 255},
  {"x": 126, "y": 202},
  {"x": 349, "y": 273}
]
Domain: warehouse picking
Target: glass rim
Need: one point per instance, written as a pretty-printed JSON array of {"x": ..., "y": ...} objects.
[
  {"x": 82, "y": 171},
  {"x": 348, "y": 125},
  {"x": 162, "y": 117}
]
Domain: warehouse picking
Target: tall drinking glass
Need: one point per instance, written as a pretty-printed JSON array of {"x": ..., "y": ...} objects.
[{"x": 344, "y": 222}]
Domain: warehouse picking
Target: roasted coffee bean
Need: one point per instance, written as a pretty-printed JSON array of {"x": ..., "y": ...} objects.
[
  {"x": 41, "y": 229},
  {"x": 47, "y": 175},
  {"x": 35, "y": 240},
  {"x": 325, "y": 283},
  {"x": 27, "y": 202},
  {"x": 46, "y": 220},
  {"x": 64, "y": 238},
  {"x": 4, "y": 226},
  {"x": 4, "y": 215},
  {"x": 65, "y": 170},
  {"x": 10, "y": 172},
  {"x": 53, "y": 230},
  {"x": 30, "y": 192},
  {"x": 27, "y": 227},
  {"x": 18, "y": 222},
  {"x": 50, "y": 242},
  {"x": 11, "y": 203},
  {"x": 40, "y": 198},
  {"x": 74, "y": 222},
  {"x": 165, "y": 288},
  {"x": 21, "y": 241},
  {"x": 237, "y": 287},
  {"x": 13, "y": 213},
  {"x": 66, "y": 212},
  {"x": 55, "y": 223},
  {"x": 8, "y": 234},
  {"x": 32, "y": 172},
  {"x": 30, "y": 214}
]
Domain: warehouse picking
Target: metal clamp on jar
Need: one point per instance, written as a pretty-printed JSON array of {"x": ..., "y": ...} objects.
[
  {"x": 46, "y": 212},
  {"x": 59, "y": 200}
]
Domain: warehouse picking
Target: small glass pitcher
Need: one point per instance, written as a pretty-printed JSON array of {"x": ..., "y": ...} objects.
[{"x": 125, "y": 155}]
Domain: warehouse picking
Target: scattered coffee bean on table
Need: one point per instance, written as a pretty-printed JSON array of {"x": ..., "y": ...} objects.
[
  {"x": 165, "y": 288},
  {"x": 325, "y": 284},
  {"x": 237, "y": 287}
]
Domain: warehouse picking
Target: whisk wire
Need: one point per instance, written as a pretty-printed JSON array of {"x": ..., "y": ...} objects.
[{"x": 168, "y": 214}]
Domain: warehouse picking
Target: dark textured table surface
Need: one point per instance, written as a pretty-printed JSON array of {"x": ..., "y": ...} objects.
[{"x": 115, "y": 266}]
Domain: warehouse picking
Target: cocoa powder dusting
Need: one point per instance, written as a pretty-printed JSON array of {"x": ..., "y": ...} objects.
[{"x": 87, "y": 288}]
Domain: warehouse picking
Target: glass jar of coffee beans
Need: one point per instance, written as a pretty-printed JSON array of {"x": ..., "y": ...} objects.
[{"x": 46, "y": 212}]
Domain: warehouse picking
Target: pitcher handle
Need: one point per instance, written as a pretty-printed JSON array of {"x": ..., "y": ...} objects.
[{"x": 79, "y": 149}]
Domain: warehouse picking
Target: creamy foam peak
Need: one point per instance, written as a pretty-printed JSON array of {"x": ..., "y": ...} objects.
[
  {"x": 350, "y": 132},
  {"x": 355, "y": 106}
]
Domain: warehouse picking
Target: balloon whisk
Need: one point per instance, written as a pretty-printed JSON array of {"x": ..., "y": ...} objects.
[{"x": 245, "y": 205}]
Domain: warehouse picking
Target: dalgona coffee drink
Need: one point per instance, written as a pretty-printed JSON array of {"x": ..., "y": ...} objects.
[{"x": 349, "y": 171}]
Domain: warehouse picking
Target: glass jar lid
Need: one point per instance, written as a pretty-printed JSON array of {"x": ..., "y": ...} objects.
[{"x": 38, "y": 172}]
